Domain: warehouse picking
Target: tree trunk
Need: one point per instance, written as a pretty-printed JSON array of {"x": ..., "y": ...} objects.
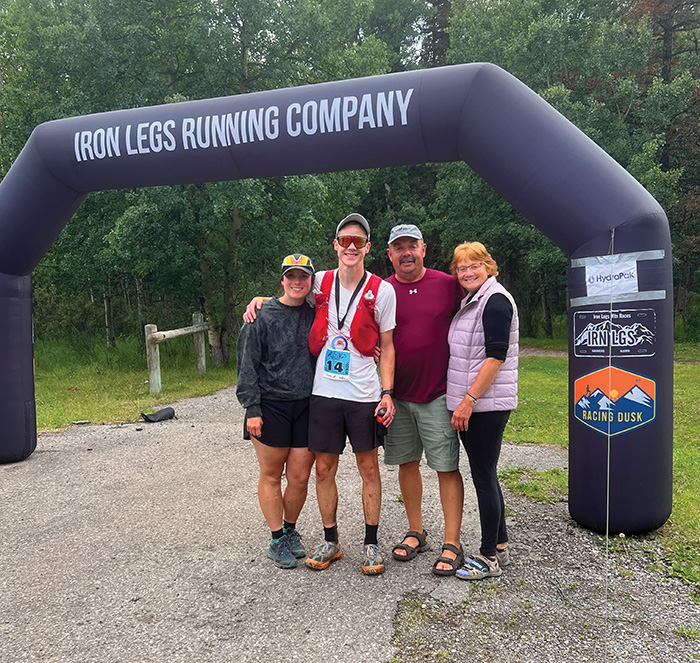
[
  {"x": 229, "y": 325},
  {"x": 547, "y": 315},
  {"x": 125, "y": 295},
  {"x": 436, "y": 40},
  {"x": 666, "y": 49},
  {"x": 215, "y": 353},
  {"x": 140, "y": 308},
  {"x": 245, "y": 57},
  {"x": 666, "y": 63},
  {"x": 109, "y": 320}
]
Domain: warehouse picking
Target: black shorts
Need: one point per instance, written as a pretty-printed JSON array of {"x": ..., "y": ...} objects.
[
  {"x": 334, "y": 419},
  {"x": 285, "y": 423}
]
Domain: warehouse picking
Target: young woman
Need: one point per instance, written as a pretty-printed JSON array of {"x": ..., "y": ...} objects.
[
  {"x": 482, "y": 389},
  {"x": 275, "y": 376}
]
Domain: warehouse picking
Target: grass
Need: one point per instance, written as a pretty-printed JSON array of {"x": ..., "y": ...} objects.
[
  {"x": 688, "y": 632},
  {"x": 541, "y": 416},
  {"x": 90, "y": 381},
  {"x": 686, "y": 351},
  {"x": 540, "y": 486},
  {"x": 87, "y": 380},
  {"x": 683, "y": 528},
  {"x": 545, "y": 343}
]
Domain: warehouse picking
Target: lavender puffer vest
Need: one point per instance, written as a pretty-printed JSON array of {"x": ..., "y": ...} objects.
[{"x": 468, "y": 353}]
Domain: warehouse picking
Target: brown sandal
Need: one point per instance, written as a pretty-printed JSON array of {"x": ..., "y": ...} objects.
[
  {"x": 454, "y": 563},
  {"x": 411, "y": 551}
]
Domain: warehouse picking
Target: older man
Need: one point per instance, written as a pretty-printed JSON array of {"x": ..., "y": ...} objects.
[{"x": 426, "y": 301}]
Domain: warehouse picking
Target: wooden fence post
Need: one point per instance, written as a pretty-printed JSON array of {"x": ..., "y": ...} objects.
[
  {"x": 154, "y": 337},
  {"x": 200, "y": 345},
  {"x": 153, "y": 354}
]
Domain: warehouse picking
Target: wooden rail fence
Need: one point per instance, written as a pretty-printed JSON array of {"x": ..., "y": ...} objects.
[{"x": 154, "y": 337}]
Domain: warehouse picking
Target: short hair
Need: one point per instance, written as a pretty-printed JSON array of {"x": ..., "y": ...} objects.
[{"x": 476, "y": 252}]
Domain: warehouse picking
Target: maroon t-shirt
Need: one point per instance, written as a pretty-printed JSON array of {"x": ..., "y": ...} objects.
[{"x": 424, "y": 311}]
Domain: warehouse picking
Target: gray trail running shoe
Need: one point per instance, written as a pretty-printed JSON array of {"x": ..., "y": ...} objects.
[
  {"x": 295, "y": 544},
  {"x": 280, "y": 553}
]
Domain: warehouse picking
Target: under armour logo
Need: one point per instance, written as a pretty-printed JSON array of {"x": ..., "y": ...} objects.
[{"x": 413, "y": 292}]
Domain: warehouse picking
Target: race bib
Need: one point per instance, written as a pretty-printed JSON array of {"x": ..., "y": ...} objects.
[{"x": 336, "y": 363}]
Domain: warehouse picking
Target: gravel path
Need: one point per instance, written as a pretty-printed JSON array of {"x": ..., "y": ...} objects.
[{"x": 144, "y": 543}]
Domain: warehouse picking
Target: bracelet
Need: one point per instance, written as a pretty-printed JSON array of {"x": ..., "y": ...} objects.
[
  {"x": 387, "y": 392},
  {"x": 260, "y": 298},
  {"x": 472, "y": 397}
]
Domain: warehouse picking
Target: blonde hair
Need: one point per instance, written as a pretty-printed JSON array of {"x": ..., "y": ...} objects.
[{"x": 475, "y": 252}]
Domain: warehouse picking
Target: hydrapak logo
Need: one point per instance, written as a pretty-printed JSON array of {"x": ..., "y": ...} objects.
[
  {"x": 611, "y": 278},
  {"x": 615, "y": 278},
  {"x": 630, "y": 275}
]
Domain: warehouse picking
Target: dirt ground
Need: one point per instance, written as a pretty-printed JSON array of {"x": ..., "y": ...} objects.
[{"x": 145, "y": 543}]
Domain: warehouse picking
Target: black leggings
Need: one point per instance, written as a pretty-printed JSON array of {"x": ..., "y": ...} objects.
[{"x": 482, "y": 442}]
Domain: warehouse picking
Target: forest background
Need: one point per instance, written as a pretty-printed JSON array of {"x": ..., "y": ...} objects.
[{"x": 626, "y": 72}]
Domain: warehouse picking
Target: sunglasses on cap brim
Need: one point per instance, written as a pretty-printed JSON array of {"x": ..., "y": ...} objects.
[
  {"x": 297, "y": 261},
  {"x": 346, "y": 240}
]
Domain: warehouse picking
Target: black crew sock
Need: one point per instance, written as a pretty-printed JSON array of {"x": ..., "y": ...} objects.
[
  {"x": 277, "y": 534},
  {"x": 330, "y": 533},
  {"x": 371, "y": 534},
  {"x": 288, "y": 526}
]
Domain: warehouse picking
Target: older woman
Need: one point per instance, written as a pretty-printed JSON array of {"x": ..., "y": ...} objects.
[{"x": 482, "y": 389}]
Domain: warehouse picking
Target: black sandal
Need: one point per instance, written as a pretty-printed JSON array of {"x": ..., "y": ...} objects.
[
  {"x": 411, "y": 551},
  {"x": 454, "y": 563}
]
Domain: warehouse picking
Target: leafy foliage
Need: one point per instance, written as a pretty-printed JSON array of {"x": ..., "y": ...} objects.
[{"x": 625, "y": 72}]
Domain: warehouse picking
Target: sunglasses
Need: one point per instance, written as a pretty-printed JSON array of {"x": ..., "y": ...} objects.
[
  {"x": 297, "y": 259},
  {"x": 346, "y": 240}
]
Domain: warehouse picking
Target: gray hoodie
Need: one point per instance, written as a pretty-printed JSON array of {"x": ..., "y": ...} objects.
[{"x": 274, "y": 362}]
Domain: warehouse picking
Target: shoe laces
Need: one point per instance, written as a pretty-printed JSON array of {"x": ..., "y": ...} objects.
[
  {"x": 371, "y": 552},
  {"x": 293, "y": 536},
  {"x": 324, "y": 549},
  {"x": 281, "y": 546}
]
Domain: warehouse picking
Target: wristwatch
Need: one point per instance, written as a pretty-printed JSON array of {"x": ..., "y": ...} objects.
[{"x": 387, "y": 392}]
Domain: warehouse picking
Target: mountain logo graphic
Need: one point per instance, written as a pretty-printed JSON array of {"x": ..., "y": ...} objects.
[
  {"x": 618, "y": 333},
  {"x": 607, "y": 333},
  {"x": 613, "y": 401}
]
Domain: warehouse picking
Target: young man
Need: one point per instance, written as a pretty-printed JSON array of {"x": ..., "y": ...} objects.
[
  {"x": 355, "y": 312},
  {"x": 427, "y": 300}
]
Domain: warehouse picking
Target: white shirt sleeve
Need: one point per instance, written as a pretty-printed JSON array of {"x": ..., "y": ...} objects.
[
  {"x": 385, "y": 310},
  {"x": 318, "y": 279}
]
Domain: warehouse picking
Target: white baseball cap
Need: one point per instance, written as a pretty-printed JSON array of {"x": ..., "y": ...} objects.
[{"x": 405, "y": 230}]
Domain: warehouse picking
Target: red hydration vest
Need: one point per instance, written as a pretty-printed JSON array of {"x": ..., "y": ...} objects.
[{"x": 364, "y": 330}]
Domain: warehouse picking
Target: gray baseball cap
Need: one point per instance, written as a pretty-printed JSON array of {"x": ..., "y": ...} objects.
[
  {"x": 353, "y": 218},
  {"x": 297, "y": 261},
  {"x": 405, "y": 230}
]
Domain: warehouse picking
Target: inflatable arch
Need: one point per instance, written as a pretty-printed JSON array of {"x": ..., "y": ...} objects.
[{"x": 615, "y": 234}]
